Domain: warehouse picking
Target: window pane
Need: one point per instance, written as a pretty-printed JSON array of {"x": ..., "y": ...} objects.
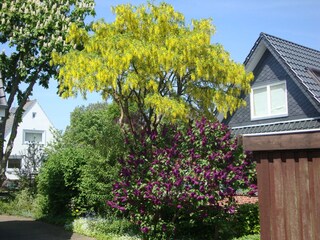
[
  {"x": 14, "y": 163},
  {"x": 260, "y": 102},
  {"x": 33, "y": 137},
  {"x": 278, "y": 99}
]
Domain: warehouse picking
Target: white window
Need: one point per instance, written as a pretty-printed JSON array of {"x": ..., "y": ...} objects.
[
  {"x": 33, "y": 136},
  {"x": 269, "y": 101}
]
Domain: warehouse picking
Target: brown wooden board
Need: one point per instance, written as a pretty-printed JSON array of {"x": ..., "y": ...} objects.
[
  {"x": 304, "y": 182},
  {"x": 281, "y": 141},
  {"x": 264, "y": 194},
  {"x": 315, "y": 194},
  {"x": 277, "y": 204},
  {"x": 291, "y": 212}
]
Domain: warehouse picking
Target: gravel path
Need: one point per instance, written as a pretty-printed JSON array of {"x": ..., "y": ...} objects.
[{"x": 20, "y": 228}]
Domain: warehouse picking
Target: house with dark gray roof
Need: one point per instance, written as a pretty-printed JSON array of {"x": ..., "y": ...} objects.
[{"x": 285, "y": 94}]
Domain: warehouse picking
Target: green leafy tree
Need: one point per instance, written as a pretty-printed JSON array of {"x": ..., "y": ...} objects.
[
  {"x": 82, "y": 163},
  {"x": 95, "y": 125},
  {"x": 32, "y": 29},
  {"x": 149, "y": 57}
]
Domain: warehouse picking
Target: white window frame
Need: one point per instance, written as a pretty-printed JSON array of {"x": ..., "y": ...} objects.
[
  {"x": 269, "y": 114},
  {"x": 33, "y": 131}
]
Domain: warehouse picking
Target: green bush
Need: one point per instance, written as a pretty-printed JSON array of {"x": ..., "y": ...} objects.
[
  {"x": 23, "y": 204},
  {"x": 82, "y": 164},
  {"x": 60, "y": 181},
  {"x": 245, "y": 221},
  {"x": 249, "y": 237}
]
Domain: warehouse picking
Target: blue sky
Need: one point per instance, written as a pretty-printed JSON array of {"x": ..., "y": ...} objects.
[{"x": 238, "y": 25}]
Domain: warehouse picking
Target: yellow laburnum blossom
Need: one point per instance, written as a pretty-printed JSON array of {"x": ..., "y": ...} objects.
[{"x": 150, "y": 56}]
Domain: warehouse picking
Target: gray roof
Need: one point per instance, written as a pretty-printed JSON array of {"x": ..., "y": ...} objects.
[
  {"x": 278, "y": 127},
  {"x": 9, "y": 122},
  {"x": 298, "y": 59},
  {"x": 299, "y": 62}
]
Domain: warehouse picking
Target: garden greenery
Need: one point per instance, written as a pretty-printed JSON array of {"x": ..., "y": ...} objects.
[
  {"x": 181, "y": 175},
  {"x": 82, "y": 164}
]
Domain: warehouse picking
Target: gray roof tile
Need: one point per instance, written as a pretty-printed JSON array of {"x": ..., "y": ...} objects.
[
  {"x": 299, "y": 59},
  {"x": 9, "y": 122},
  {"x": 304, "y": 124}
]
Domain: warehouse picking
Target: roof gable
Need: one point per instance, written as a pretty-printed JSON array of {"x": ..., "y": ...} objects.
[
  {"x": 297, "y": 59},
  {"x": 29, "y": 104}
]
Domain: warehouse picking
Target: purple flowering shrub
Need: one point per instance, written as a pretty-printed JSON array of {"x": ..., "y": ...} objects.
[{"x": 177, "y": 175}]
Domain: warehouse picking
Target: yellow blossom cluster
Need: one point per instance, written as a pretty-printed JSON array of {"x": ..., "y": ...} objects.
[{"x": 151, "y": 57}]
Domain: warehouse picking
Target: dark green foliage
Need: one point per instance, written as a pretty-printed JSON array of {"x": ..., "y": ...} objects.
[
  {"x": 59, "y": 180},
  {"x": 245, "y": 221},
  {"x": 95, "y": 125},
  {"x": 249, "y": 237},
  {"x": 82, "y": 165}
]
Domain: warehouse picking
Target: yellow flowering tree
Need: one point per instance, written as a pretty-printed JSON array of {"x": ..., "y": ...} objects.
[{"x": 150, "y": 58}]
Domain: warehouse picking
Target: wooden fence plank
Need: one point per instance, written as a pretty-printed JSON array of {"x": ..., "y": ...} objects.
[
  {"x": 304, "y": 196},
  {"x": 315, "y": 155},
  {"x": 291, "y": 212},
  {"x": 277, "y": 200},
  {"x": 264, "y": 194},
  {"x": 297, "y": 182},
  {"x": 311, "y": 196}
]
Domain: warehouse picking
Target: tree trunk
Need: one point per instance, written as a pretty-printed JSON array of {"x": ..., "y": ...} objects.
[{"x": 5, "y": 153}]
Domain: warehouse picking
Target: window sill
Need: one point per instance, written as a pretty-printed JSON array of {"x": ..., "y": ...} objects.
[{"x": 269, "y": 117}]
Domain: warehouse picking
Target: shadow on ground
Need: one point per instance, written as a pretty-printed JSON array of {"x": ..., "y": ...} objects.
[{"x": 16, "y": 228}]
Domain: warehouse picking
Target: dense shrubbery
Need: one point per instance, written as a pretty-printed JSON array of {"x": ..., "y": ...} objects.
[
  {"x": 180, "y": 178},
  {"x": 82, "y": 164},
  {"x": 245, "y": 221},
  {"x": 60, "y": 180},
  {"x": 21, "y": 203}
]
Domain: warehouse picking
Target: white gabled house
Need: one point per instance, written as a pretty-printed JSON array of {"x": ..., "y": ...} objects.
[{"x": 35, "y": 127}]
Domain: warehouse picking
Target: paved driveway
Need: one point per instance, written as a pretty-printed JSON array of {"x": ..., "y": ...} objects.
[{"x": 19, "y": 228}]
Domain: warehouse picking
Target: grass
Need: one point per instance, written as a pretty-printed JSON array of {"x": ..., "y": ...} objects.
[
  {"x": 20, "y": 204},
  {"x": 109, "y": 228},
  {"x": 249, "y": 237}
]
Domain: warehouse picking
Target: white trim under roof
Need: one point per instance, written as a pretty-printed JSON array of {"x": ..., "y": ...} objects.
[
  {"x": 283, "y": 132},
  {"x": 273, "y": 123},
  {"x": 256, "y": 56}
]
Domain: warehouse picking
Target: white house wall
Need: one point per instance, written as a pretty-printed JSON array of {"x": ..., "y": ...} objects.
[{"x": 34, "y": 119}]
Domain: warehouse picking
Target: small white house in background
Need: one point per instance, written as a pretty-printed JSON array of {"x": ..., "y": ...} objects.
[{"x": 35, "y": 127}]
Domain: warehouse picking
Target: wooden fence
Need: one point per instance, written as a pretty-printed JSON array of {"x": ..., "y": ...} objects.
[{"x": 288, "y": 174}]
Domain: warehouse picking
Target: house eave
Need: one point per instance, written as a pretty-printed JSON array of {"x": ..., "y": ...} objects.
[
  {"x": 255, "y": 55},
  {"x": 281, "y": 133}
]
